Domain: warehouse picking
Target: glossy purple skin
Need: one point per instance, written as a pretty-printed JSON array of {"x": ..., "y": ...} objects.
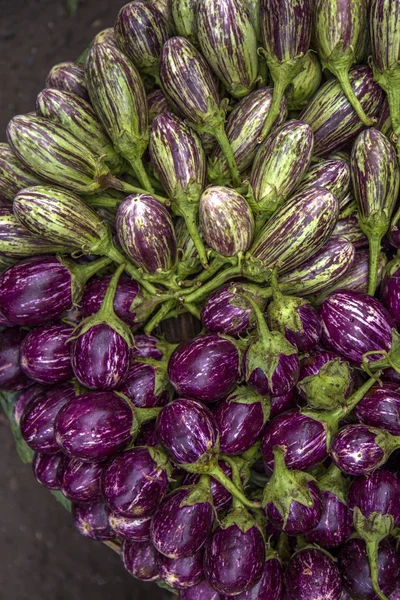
[
  {"x": 139, "y": 387},
  {"x": 354, "y": 323},
  {"x": 187, "y": 430},
  {"x": 354, "y": 569},
  {"x": 146, "y": 347},
  {"x": 133, "y": 485},
  {"x": 219, "y": 314},
  {"x": 148, "y": 435},
  {"x": 395, "y": 595},
  {"x": 220, "y": 495},
  {"x": 91, "y": 520},
  {"x": 307, "y": 339},
  {"x": 286, "y": 27},
  {"x": 69, "y": 77},
  {"x": 12, "y": 376},
  {"x": 390, "y": 376},
  {"x": 303, "y": 437},
  {"x": 127, "y": 291},
  {"x": 301, "y": 519},
  {"x": 283, "y": 379},
  {"x": 100, "y": 358},
  {"x": 350, "y": 230},
  {"x": 201, "y": 591},
  {"x": 137, "y": 530},
  {"x": 270, "y": 585},
  {"x": 335, "y": 524},
  {"x": 94, "y": 427},
  {"x": 181, "y": 573},
  {"x": 45, "y": 354},
  {"x": 380, "y": 407},
  {"x": 35, "y": 290},
  {"x": 239, "y": 425},
  {"x": 390, "y": 294},
  {"x": 205, "y": 368},
  {"x": 81, "y": 481},
  {"x": 24, "y": 399},
  {"x": 38, "y": 420},
  {"x": 377, "y": 492},
  {"x": 312, "y": 575},
  {"x": 48, "y": 469},
  {"x": 355, "y": 451},
  {"x": 394, "y": 234},
  {"x": 180, "y": 532},
  {"x": 140, "y": 560},
  {"x": 312, "y": 365},
  {"x": 280, "y": 404},
  {"x": 233, "y": 560}
]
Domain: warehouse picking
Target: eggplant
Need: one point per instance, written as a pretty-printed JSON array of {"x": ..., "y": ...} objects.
[
  {"x": 157, "y": 104},
  {"x": 181, "y": 573},
  {"x": 48, "y": 469},
  {"x": 149, "y": 346},
  {"x": 220, "y": 496},
  {"x": 24, "y": 398},
  {"x": 68, "y": 77},
  {"x": 291, "y": 499},
  {"x": 80, "y": 481},
  {"x": 312, "y": 574},
  {"x": 280, "y": 404},
  {"x": 330, "y": 115},
  {"x": 228, "y": 43},
  {"x": 91, "y": 520},
  {"x": 380, "y": 408},
  {"x": 45, "y": 354},
  {"x": 332, "y": 173},
  {"x": 128, "y": 528},
  {"x": 376, "y": 178},
  {"x": 14, "y": 175},
  {"x": 140, "y": 560},
  {"x": 38, "y": 419},
  {"x": 270, "y": 585},
  {"x": 306, "y": 83},
  {"x": 226, "y": 221},
  {"x": 184, "y": 19},
  {"x": 394, "y": 231},
  {"x": 147, "y": 385},
  {"x": 12, "y": 377},
  {"x": 389, "y": 292},
  {"x": 349, "y": 229},
  {"x": 201, "y": 591},
  {"x": 284, "y": 54}
]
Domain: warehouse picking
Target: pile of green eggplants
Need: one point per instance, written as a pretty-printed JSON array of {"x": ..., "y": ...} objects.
[{"x": 231, "y": 165}]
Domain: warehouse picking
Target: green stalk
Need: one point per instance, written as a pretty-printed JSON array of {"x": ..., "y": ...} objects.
[
  {"x": 218, "y": 474},
  {"x": 190, "y": 216},
  {"x": 222, "y": 139},
  {"x": 140, "y": 172},
  {"x": 119, "y": 258},
  {"x": 280, "y": 85},
  {"x": 374, "y": 252},
  {"x": 117, "y": 184},
  {"x": 198, "y": 294},
  {"x": 342, "y": 75},
  {"x": 159, "y": 316},
  {"x": 372, "y": 553}
]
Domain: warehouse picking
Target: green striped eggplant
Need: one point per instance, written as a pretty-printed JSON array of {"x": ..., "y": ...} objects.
[
  {"x": 333, "y": 174},
  {"x": 384, "y": 123},
  {"x": 286, "y": 34},
  {"x": 118, "y": 97},
  {"x": 69, "y": 77},
  {"x": 106, "y": 36},
  {"x": 165, "y": 8},
  {"x": 226, "y": 221},
  {"x": 188, "y": 258},
  {"x": 179, "y": 162},
  {"x": 349, "y": 229},
  {"x": 228, "y": 43},
  {"x": 141, "y": 32},
  {"x": 332, "y": 118},
  {"x": 305, "y": 84},
  {"x": 190, "y": 84},
  {"x": 157, "y": 104},
  {"x": 279, "y": 166},
  {"x": 243, "y": 128},
  {"x": 254, "y": 9},
  {"x": 14, "y": 175},
  {"x": 375, "y": 175},
  {"x": 339, "y": 25},
  {"x": 78, "y": 117},
  {"x": 184, "y": 17}
]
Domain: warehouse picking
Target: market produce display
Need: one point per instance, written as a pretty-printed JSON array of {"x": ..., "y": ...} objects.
[{"x": 234, "y": 163}]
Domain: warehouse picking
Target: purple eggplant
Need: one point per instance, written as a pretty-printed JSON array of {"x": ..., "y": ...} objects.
[
  {"x": 354, "y": 569},
  {"x": 376, "y": 177},
  {"x": 270, "y": 585},
  {"x": 80, "y": 481},
  {"x": 148, "y": 435},
  {"x": 91, "y": 520},
  {"x": 157, "y": 104},
  {"x": 25, "y": 398},
  {"x": 390, "y": 290},
  {"x": 333, "y": 174},
  {"x": 201, "y": 591},
  {"x": 129, "y": 528},
  {"x": 147, "y": 346},
  {"x": 380, "y": 407},
  {"x": 48, "y": 469},
  {"x": 226, "y": 221},
  {"x": 69, "y": 77},
  {"x": 140, "y": 560},
  {"x": 181, "y": 573},
  {"x": 134, "y": 483},
  {"x": 280, "y": 404},
  {"x": 291, "y": 499},
  {"x": 183, "y": 522},
  {"x": 38, "y": 420},
  {"x": 14, "y": 176},
  {"x": 284, "y": 54},
  {"x": 350, "y": 230},
  {"x": 330, "y": 115},
  {"x": 12, "y": 377},
  {"x": 220, "y": 496},
  {"x": 45, "y": 354},
  {"x": 205, "y": 368},
  {"x": 312, "y": 575},
  {"x": 304, "y": 439},
  {"x": 147, "y": 385}
]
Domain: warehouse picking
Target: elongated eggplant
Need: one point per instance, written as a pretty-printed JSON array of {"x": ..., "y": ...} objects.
[
  {"x": 14, "y": 175},
  {"x": 157, "y": 104},
  {"x": 69, "y": 77},
  {"x": 303, "y": 87},
  {"x": 81, "y": 481},
  {"x": 184, "y": 17},
  {"x": 333, "y": 174},
  {"x": 140, "y": 560},
  {"x": 350, "y": 230},
  {"x": 12, "y": 377},
  {"x": 380, "y": 407},
  {"x": 48, "y": 469}
]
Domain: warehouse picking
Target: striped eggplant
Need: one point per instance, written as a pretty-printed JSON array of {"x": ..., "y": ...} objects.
[
  {"x": 279, "y": 166},
  {"x": 350, "y": 230},
  {"x": 179, "y": 161},
  {"x": 226, "y": 221},
  {"x": 119, "y": 100},
  {"x": 184, "y": 17},
  {"x": 376, "y": 177},
  {"x": 14, "y": 175},
  {"x": 188, "y": 81},
  {"x": 332, "y": 118},
  {"x": 165, "y": 8},
  {"x": 384, "y": 122},
  {"x": 339, "y": 25},
  {"x": 141, "y": 31},
  {"x": 45, "y": 353},
  {"x": 333, "y": 174},
  {"x": 157, "y": 104},
  {"x": 146, "y": 233},
  {"x": 254, "y": 9},
  {"x": 286, "y": 34},
  {"x": 69, "y": 77},
  {"x": 106, "y": 36},
  {"x": 243, "y": 129},
  {"x": 228, "y": 43},
  {"x": 305, "y": 84},
  {"x": 78, "y": 117}
]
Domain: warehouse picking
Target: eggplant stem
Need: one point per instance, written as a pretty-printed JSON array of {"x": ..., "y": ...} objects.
[
  {"x": 218, "y": 474},
  {"x": 141, "y": 174},
  {"x": 372, "y": 553},
  {"x": 280, "y": 86},
  {"x": 191, "y": 224},
  {"x": 374, "y": 252},
  {"x": 198, "y": 294},
  {"x": 223, "y": 141},
  {"x": 342, "y": 75},
  {"x": 159, "y": 316},
  {"x": 119, "y": 258},
  {"x": 123, "y": 186}
]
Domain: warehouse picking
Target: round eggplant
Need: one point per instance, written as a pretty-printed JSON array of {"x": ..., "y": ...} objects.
[
  {"x": 12, "y": 376},
  {"x": 91, "y": 520},
  {"x": 45, "y": 354},
  {"x": 81, "y": 481},
  {"x": 312, "y": 575},
  {"x": 48, "y": 469}
]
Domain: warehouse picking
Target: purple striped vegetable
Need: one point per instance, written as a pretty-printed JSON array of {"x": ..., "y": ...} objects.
[
  {"x": 164, "y": 7},
  {"x": 91, "y": 520},
  {"x": 306, "y": 83},
  {"x": 280, "y": 404},
  {"x": 312, "y": 574},
  {"x": 68, "y": 77},
  {"x": 147, "y": 385},
  {"x": 136, "y": 530},
  {"x": 48, "y": 469},
  {"x": 157, "y": 104},
  {"x": 201, "y": 591},
  {"x": 350, "y": 230},
  {"x": 106, "y": 36},
  {"x": 14, "y": 175},
  {"x": 390, "y": 290},
  {"x": 45, "y": 354},
  {"x": 181, "y": 573},
  {"x": 220, "y": 496},
  {"x": 140, "y": 560},
  {"x": 333, "y": 174},
  {"x": 12, "y": 377},
  {"x": 270, "y": 585},
  {"x": 394, "y": 231},
  {"x": 81, "y": 481},
  {"x": 25, "y": 398},
  {"x": 380, "y": 407},
  {"x": 184, "y": 18}
]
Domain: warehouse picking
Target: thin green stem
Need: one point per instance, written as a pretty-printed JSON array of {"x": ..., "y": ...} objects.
[
  {"x": 193, "y": 310},
  {"x": 222, "y": 139},
  {"x": 280, "y": 86},
  {"x": 217, "y": 473},
  {"x": 119, "y": 258},
  {"x": 141, "y": 174},
  {"x": 87, "y": 271},
  {"x": 374, "y": 252},
  {"x": 342, "y": 75},
  {"x": 123, "y": 186},
  {"x": 190, "y": 217},
  {"x": 262, "y": 327},
  {"x": 198, "y": 294},
  {"x": 276, "y": 292},
  {"x": 372, "y": 553},
  {"x": 159, "y": 316},
  {"x": 107, "y": 306}
]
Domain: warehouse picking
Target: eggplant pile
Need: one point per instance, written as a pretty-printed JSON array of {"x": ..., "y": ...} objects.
[{"x": 230, "y": 164}]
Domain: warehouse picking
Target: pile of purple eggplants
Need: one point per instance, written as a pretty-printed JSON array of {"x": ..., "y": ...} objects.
[{"x": 228, "y": 167}]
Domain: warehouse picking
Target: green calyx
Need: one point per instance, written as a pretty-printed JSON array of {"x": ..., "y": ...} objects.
[
  {"x": 327, "y": 389},
  {"x": 140, "y": 415},
  {"x": 241, "y": 518},
  {"x": 375, "y": 226},
  {"x": 199, "y": 492},
  {"x": 80, "y": 274},
  {"x": 390, "y": 359},
  {"x": 264, "y": 207},
  {"x": 245, "y": 395},
  {"x": 283, "y": 310},
  {"x": 161, "y": 380},
  {"x": 161, "y": 460},
  {"x": 334, "y": 481}
]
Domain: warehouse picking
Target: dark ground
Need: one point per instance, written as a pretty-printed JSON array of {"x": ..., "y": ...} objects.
[{"x": 42, "y": 556}]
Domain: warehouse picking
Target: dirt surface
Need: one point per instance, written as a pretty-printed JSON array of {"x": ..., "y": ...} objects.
[{"x": 42, "y": 556}]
